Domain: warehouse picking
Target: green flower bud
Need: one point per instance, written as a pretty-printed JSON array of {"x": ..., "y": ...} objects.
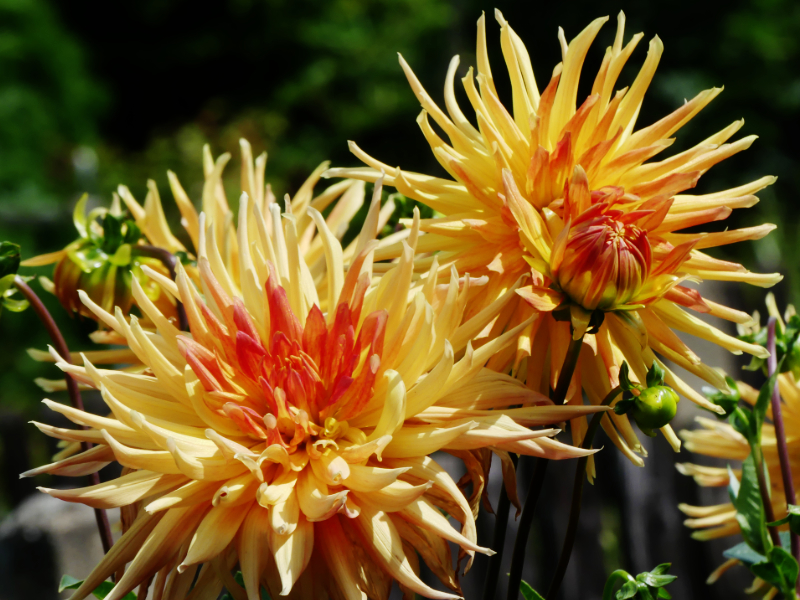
[{"x": 654, "y": 408}]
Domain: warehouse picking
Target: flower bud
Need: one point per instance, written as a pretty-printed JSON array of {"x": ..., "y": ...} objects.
[
  {"x": 654, "y": 408},
  {"x": 603, "y": 261}
]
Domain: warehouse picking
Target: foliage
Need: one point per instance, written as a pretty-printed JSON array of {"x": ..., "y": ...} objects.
[
  {"x": 104, "y": 589},
  {"x": 9, "y": 264},
  {"x": 774, "y": 564},
  {"x": 645, "y": 586},
  {"x": 787, "y": 350}
]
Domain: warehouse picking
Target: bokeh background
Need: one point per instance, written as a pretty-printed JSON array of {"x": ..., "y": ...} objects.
[{"x": 93, "y": 94}]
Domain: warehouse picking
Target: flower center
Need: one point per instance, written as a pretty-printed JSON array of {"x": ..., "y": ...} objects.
[{"x": 301, "y": 388}]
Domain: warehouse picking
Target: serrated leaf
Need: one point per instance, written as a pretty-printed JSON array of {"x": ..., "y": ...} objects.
[
  {"x": 749, "y": 509},
  {"x": 528, "y": 592}
]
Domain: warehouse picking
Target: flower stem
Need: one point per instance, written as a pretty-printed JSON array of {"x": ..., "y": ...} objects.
[
  {"x": 618, "y": 575},
  {"x": 169, "y": 260},
  {"x": 72, "y": 387},
  {"x": 780, "y": 432},
  {"x": 526, "y": 519},
  {"x": 577, "y": 492},
  {"x": 498, "y": 541}
]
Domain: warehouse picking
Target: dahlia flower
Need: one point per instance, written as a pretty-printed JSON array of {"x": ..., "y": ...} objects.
[
  {"x": 290, "y": 429},
  {"x": 113, "y": 285},
  {"x": 721, "y": 441},
  {"x": 571, "y": 195}
]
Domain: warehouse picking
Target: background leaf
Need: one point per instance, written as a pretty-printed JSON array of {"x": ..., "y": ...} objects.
[{"x": 528, "y": 592}]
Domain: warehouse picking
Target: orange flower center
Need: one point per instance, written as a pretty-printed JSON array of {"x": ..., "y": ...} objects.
[
  {"x": 300, "y": 387},
  {"x": 605, "y": 256}
]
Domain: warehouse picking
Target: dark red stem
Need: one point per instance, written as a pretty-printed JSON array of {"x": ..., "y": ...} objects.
[
  {"x": 72, "y": 388},
  {"x": 780, "y": 432}
]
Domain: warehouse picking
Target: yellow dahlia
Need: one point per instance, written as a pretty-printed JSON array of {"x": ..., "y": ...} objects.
[
  {"x": 720, "y": 440},
  {"x": 150, "y": 221},
  {"x": 289, "y": 431},
  {"x": 571, "y": 196}
]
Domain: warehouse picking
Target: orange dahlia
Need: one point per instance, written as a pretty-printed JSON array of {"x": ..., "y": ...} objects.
[
  {"x": 289, "y": 431},
  {"x": 572, "y": 197}
]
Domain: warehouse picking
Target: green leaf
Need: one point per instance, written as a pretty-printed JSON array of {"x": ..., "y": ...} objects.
[
  {"x": 661, "y": 569},
  {"x": 663, "y": 593},
  {"x": 629, "y": 590},
  {"x": 101, "y": 591},
  {"x": 655, "y": 376},
  {"x": 792, "y": 517},
  {"x": 762, "y": 404},
  {"x": 787, "y": 565},
  {"x": 624, "y": 406},
  {"x": 741, "y": 420},
  {"x": 132, "y": 232},
  {"x": 9, "y": 259},
  {"x": 15, "y": 305},
  {"x": 112, "y": 233},
  {"x": 68, "y": 582},
  {"x": 780, "y": 570},
  {"x": 122, "y": 257},
  {"x": 656, "y": 580},
  {"x": 750, "y": 510},
  {"x": 728, "y": 401},
  {"x": 6, "y": 284},
  {"x": 733, "y": 486},
  {"x": 79, "y": 216},
  {"x": 528, "y": 592},
  {"x": 624, "y": 378},
  {"x": 744, "y": 553},
  {"x": 645, "y": 593}
]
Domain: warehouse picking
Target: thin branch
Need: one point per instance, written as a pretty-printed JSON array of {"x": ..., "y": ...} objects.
[
  {"x": 526, "y": 519},
  {"x": 577, "y": 492},
  {"x": 498, "y": 542}
]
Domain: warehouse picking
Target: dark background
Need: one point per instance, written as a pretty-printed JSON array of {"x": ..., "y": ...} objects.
[{"x": 93, "y": 94}]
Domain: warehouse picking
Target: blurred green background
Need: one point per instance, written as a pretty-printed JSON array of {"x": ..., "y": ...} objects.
[{"x": 93, "y": 94}]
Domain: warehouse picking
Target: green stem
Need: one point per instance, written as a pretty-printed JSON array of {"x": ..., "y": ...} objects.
[
  {"x": 526, "y": 519},
  {"x": 577, "y": 492},
  {"x": 618, "y": 575}
]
